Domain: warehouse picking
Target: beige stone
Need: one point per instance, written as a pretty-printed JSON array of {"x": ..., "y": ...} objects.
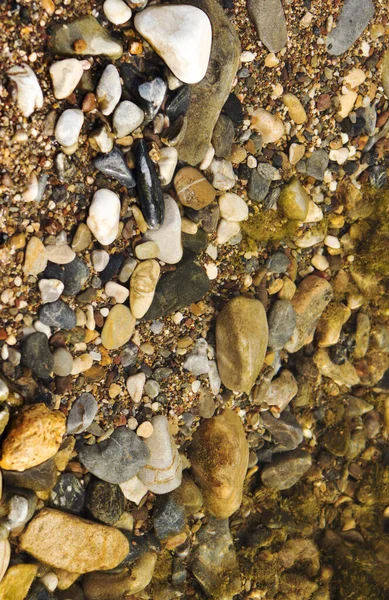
[
  {"x": 35, "y": 436},
  {"x": 142, "y": 287},
  {"x": 268, "y": 125},
  {"x": 296, "y": 153},
  {"x": 82, "y": 238},
  {"x": 35, "y": 260},
  {"x": 17, "y": 581},
  {"x": 118, "y": 327},
  {"x": 193, "y": 189},
  {"x": 330, "y": 325},
  {"x": 219, "y": 457},
  {"x": 5, "y": 555},
  {"x": 241, "y": 341},
  {"x": 60, "y": 254},
  {"x": 67, "y": 542},
  {"x": 115, "y": 586},
  {"x": 295, "y": 108},
  {"x": 344, "y": 374},
  {"x": 65, "y": 578}
]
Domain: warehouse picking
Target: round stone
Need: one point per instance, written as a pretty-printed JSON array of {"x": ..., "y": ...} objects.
[
  {"x": 68, "y": 127},
  {"x": 233, "y": 207},
  {"x": 117, "y": 11},
  {"x": 63, "y": 362},
  {"x": 127, "y": 116},
  {"x": 193, "y": 189}
]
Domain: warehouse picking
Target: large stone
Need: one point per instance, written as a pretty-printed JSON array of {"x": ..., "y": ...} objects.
[
  {"x": 269, "y": 20},
  {"x": 68, "y": 542},
  {"x": 181, "y": 35},
  {"x": 105, "y": 501},
  {"x": 35, "y": 436},
  {"x": 82, "y": 37},
  {"x": 118, "y": 327},
  {"x": 17, "y": 581},
  {"x": 168, "y": 236},
  {"x": 219, "y": 456},
  {"x": 65, "y": 75},
  {"x": 209, "y": 96},
  {"x": 241, "y": 342},
  {"x": 286, "y": 469},
  {"x": 354, "y": 17}
]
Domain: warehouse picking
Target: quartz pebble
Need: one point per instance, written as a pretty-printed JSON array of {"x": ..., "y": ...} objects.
[
  {"x": 223, "y": 176},
  {"x": 167, "y": 164},
  {"x": 268, "y": 125},
  {"x": 109, "y": 90},
  {"x": 104, "y": 214},
  {"x": 135, "y": 384},
  {"x": 29, "y": 93},
  {"x": 35, "y": 260},
  {"x": 118, "y": 327},
  {"x": 168, "y": 236},
  {"x": 233, "y": 207},
  {"x": 65, "y": 76},
  {"x": 117, "y": 11},
  {"x": 117, "y": 291},
  {"x": 166, "y": 26},
  {"x": 226, "y": 230},
  {"x": 295, "y": 108},
  {"x": 100, "y": 259},
  {"x": 145, "y": 429},
  {"x": 63, "y": 362},
  {"x": 142, "y": 287},
  {"x": 50, "y": 289},
  {"x": 127, "y": 116},
  {"x": 68, "y": 127},
  {"x": 133, "y": 489},
  {"x": 82, "y": 363},
  {"x": 60, "y": 254}
]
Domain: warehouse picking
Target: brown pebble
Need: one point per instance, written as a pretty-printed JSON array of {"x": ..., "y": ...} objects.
[
  {"x": 323, "y": 102},
  {"x": 80, "y": 46},
  {"x": 89, "y": 103}
]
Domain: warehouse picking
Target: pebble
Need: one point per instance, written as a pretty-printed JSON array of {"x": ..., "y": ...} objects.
[
  {"x": 279, "y": 392},
  {"x": 133, "y": 489},
  {"x": 268, "y": 125},
  {"x": 223, "y": 176},
  {"x": 101, "y": 139},
  {"x": 223, "y": 136},
  {"x": 219, "y": 457},
  {"x": 117, "y": 11},
  {"x": 50, "y": 289},
  {"x": 320, "y": 262},
  {"x": 241, "y": 342},
  {"x": 163, "y": 471},
  {"x": 17, "y": 581},
  {"x": 117, "y": 291},
  {"x": 105, "y": 501},
  {"x": 96, "y": 40},
  {"x": 118, "y": 327},
  {"x": 286, "y": 470},
  {"x": 270, "y": 23},
  {"x": 142, "y": 287},
  {"x": 104, "y": 214},
  {"x": 65, "y": 76},
  {"x": 193, "y": 189},
  {"x": 258, "y": 187},
  {"x": 117, "y": 458},
  {"x": 282, "y": 322},
  {"x": 167, "y": 164},
  {"x": 343, "y": 374},
  {"x": 68, "y": 127},
  {"x": 285, "y": 430},
  {"x": 82, "y": 238},
  {"x": 127, "y": 116},
  {"x": 100, "y": 259},
  {"x": 36, "y": 355},
  {"x": 295, "y": 108},
  {"x": 317, "y": 164},
  {"x": 331, "y": 322},
  {"x": 146, "y": 250},
  {"x": 60, "y": 254},
  {"x": 145, "y": 429},
  {"x": 135, "y": 384},
  {"x": 63, "y": 362},
  {"x": 35, "y": 260},
  {"x": 149, "y": 186},
  {"x": 226, "y": 230},
  {"x": 5, "y": 555},
  {"x": 296, "y": 153},
  {"x": 353, "y": 19},
  {"x": 152, "y": 388},
  {"x": 4, "y": 391},
  {"x": 82, "y": 413},
  {"x": 68, "y": 494},
  {"x": 41, "y": 477},
  {"x": 39, "y": 431},
  {"x": 109, "y": 89},
  {"x": 294, "y": 200},
  {"x": 233, "y": 207},
  {"x": 127, "y": 269},
  {"x": 57, "y": 314},
  {"x": 29, "y": 93},
  {"x": 58, "y": 539},
  {"x": 168, "y": 236},
  {"x": 197, "y": 361},
  {"x": 164, "y": 27},
  {"x": 385, "y": 73}
]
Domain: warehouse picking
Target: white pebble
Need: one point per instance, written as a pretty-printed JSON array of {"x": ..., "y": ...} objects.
[
  {"x": 104, "y": 214},
  {"x": 320, "y": 262},
  {"x": 50, "y": 289},
  {"x": 65, "y": 76},
  {"x": 233, "y": 207},
  {"x": 211, "y": 270},
  {"x": 117, "y": 291},
  {"x": 331, "y": 241},
  {"x": 117, "y": 11},
  {"x": 68, "y": 127},
  {"x": 109, "y": 90},
  {"x": 127, "y": 116},
  {"x": 29, "y": 93},
  {"x": 212, "y": 251},
  {"x": 226, "y": 230},
  {"x": 135, "y": 384},
  {"x": 81, "y": 363},
  {"x": 100, "y": 259},
  {"x": 251, "y": 161},
  {"x": 42, "y": 328}
]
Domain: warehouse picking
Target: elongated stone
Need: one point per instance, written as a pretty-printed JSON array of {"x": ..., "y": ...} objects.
[
  {"x": 104, "y": 213},
  {"x": 118, "y": 327},
  {"x": 142, "y": 287},
  {"x": 149, "y": 187},
  {"x": 82, "y": 37},
  {"x": 114, "y": 165},
  {"x": 269, "y": 20},
  {"x": 353, "y": 19},
  {"x": 168, "y": 236}
]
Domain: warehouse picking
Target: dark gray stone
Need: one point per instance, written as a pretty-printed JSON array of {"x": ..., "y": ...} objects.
[
  {"x": 223, "y": 136},
  {"x": 195, "y": 243},
  {"x": 82, "y": 413},
  {"x": 58, "y": 314},
  {"x": 37, "y": 478},
  {"x": 116, "y": 459},
  {"x": 258, "y": 186},
  {"x": 114, "y": 165},
  {"x": 38, "y": 591},
  {"x": 149, "y": 186},
  {"x": 129, "y": 355},
  {"x": 75, "y": 275},
  {"x": 36, "y": 355},
  {"x": 316, "y": 164},
  {"x": 353, "y": 19},
  {"x": 178, "y": 289},
  {"x": 278, "y": 263},
  {"x": 68, "y": 494},
  {"x": 209, "y": 217},
  {"x": 105, "y": 501},
  {"x": 269, "y": 21},
  {"x": 282, "y": 321},
  {"x": 168, "y": 517},
  {"x": 286, "y": 431},
  {"x": 179, "y": 102},
  {"x": 286, "y": 469}
]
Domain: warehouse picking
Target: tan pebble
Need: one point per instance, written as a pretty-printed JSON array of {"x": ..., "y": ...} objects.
[
  {"x": 193, "y": 189},
  {"x": 135, "y": 384},
  {"x": 296, "y": 153},
  {"x": 17, "y": 241},
  {"x": 146, "y": 250},
  {"x": 268, "y": 125},
  {"x": 118, "y": 327},
  {"x": 275, "y": 286},
  {"x": 114, "y": 390},
  {"x": 320, "y": 262},
  {"x": 31, "y": 192},
  {"x": 81, "y": 363},
  {"x": 35, "y": 260},
  {"x": 48, "y": 6},
  {"x": 271, "y": 60},
  {"x": 355, "y": 77},
  {"x": 295, "y": 108},
  {"x": 5, "y": 555},
  {"x": 145, "y": 429},
  {"x": 138, "y": 216},
  {"x": 142, "y": 287},
  {"x": 61, "y": 254},
  {"x": 147, "y": 349},
  {"x": 82, "y": 238},
  {"x": 117, "y": 291},
  {"x": 346, "y": 102},
  {"x": 17, "y": 581},
  {"x": 89, "y": 103},
  {"x": 188, "y": 226}
]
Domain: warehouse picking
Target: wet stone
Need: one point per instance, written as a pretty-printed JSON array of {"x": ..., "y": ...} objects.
[
  {"x": 68, "y": 494},
  {"x": 168, "y": 517},
  {"x": 282, "y": 321},
  {"x": 178, "y": 104},
  {"x": 105, "y": 501},
  {"x": 285, "y": 430},
  {"x": 149, "y": 187},
  {"x": 58, "y": 314},
  {"x": 41, "y": 477},
  {"x": 223, "y": 136},
  {"x": 317, "y": 164},
  {"x": 114, "y": 165},
  {"x": 36, "y": 355},
  {"x": 278, "y": 263},
  {"x": 286, "y": 469}
]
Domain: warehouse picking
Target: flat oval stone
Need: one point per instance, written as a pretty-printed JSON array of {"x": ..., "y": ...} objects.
[
  {"x": 83, "y": 36},
  {"x": 64, "y": 541},
  {"x": 269, "y": 20},
  {"x": 116, "y": 459},
  {"x": 60, "y": 254},
  {"x": 117, "y": 11},
  {"x": 69, "y": 126},
  {"x": 168, "y": 236},
  {"x": 354, "y": 17},
  {"x": 118, "y": 327},
  {"x": 104, "y": 214},
  {"x": 181, "y": 35},
  {"x": 286, "y": 470},
  {"x": 241, "y": 342},
  {"x": 82, "y": 413},
  {"x": 109, "y": 89}
]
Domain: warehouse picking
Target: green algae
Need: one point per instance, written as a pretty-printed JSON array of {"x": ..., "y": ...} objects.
[
  {"x": 268, "y": 227},
  {"x": 372, "y": 249}
]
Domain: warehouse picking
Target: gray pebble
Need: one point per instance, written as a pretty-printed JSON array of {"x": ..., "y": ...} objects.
[
  {"x": 58, "y": 314},
  {"x": 282, "y": 322},
  {"x": 36, "y": 355},
  {"x": 82, "y": 413},
  {"x": 257, "y": 187},
  {"x": 151, "y": 388},
  {"x": 316, "y": 164},
  {"x": 278, "y": 263},
  {"x": 63, "y": 362}
]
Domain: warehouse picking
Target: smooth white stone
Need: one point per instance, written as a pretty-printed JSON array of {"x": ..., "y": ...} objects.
[
  {"x": 168, "y": 236},
  {"x": 226, "y": 230},
  {"x": 208, "y": 158},
  {"x": 167, "y": 164},
  {"x": 42, "y": 328},
  {"x": 117, "y": 291},
  {"x": 126, "y": 118},
  {"x": 65, "y": 76},
  {"x": 109, "y": 90},
  {"x": 223, "y": 174},
  {"x": 68, "y": 126},
  {"x": 117, "y": 11},
  {"x": 50, "y": 289},
  {"x": 30, "y": 95},
  {"x": 181, "y": 35},
  {"x": 135, "y": 384},
  {"x": 163, "y": 473},
  {"x": 61, "y": 254},
  {"x": 104, "y": 214},
  {"x": 133, "y": 489},
  {"x": 233, "y": 207},
  {"x": 100, "y": 259},
  {"x": 103, "y": 139},
  {"x": 315, "y": 213}
]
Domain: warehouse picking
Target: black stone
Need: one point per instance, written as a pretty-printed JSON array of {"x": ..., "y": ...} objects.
[
  {"x": 36, "y": 355},
  {"x": 179, "y": 102},
  {"x": 286, "y": 431},
  {"x": 105, "y": 501},
  {"x": 37, "y": 478},
  {"x": 139, "y": 545},
  {"x": 178, "y": 289},
  {"x": 195, "y": 243},
  {"x": 58, "y": 314},
  {"x": 38, "y": 591},
  {"x": 168, "y": 517},
  {"x": 113, "y": 267},
  {"x": 116, "y": 459},
  {"x": 68, "y": 494},
  {"x": 75, "y": 275},
  {"x": 149, "y": 186},
  {"x": 233, "y": 109},
  {"x": 350, "y": 167},
  {"x": 114, "y": 165},
  {"x": 147, "y": 89}
]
